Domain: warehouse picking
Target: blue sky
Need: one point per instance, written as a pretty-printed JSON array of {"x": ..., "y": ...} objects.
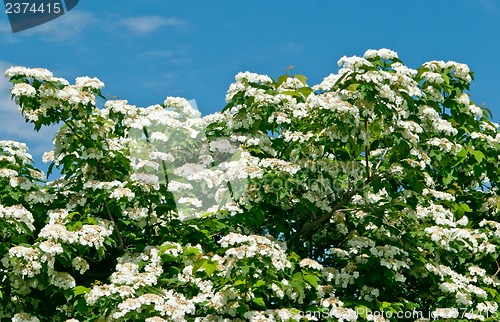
[{"x": 146, "y": 50}]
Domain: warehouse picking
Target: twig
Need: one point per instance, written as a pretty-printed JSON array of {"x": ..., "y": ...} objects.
[
  {"x": 498, "y": 270},
  {"x": 118, "y": 234},
  {"x": 310, "y": 226}
]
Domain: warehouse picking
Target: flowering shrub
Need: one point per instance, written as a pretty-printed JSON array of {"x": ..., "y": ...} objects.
[{"x": 375, "y": 191}]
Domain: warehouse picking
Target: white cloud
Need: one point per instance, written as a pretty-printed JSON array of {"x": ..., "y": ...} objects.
[
  {"x": 292, "y": 47},
  {"x": 68, "y": 27},
  {"x": 157, "y": 53},
  {"x": 62, "y": 29},
  {"x": 490, "y": 6},
  {"x": 162, "y": 83},
  {"x": 65, "y": 28},
  {"x": 149, "y": 24},
  {"x": 174, "y": 56}
]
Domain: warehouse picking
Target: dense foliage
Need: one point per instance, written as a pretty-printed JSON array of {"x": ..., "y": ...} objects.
[{"x": 370, "y": 196}]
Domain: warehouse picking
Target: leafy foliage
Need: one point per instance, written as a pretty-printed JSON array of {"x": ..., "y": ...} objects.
[{"x": 370, "y": 196}]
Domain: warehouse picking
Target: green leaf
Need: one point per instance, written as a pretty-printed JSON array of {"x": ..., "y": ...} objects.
[
  {"x": 78, "y": 290},
  {"x": 306, "y": 91},
  {"x": 198, "y": 265},
  {"x": 291, "y": 93},
  {"x": 298, "y": 287},
  {"x": 76, "y": 226},
  {"x": 259, "y": 283},
  {"x": 462, "y": 155},
  {"x": 282, "y": 79},
  {"x": 302, "y": 79},
  {"x": 312, "y": 279},
  {"x": 353, "y": 87},
  {"x": 49, "y": 170},
  {"x": 259, "y": 301},
  {"x": 209, "y": 267},
  {"x": 448, "y": 177},
  {"x": 362, "y": 311},
  {"x": 245, "y": 269},
  {"x": 478, "y": 155},
  {"x": 465, "y": 207}
]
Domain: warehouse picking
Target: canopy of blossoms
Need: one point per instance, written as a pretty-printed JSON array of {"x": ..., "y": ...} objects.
[{"x": 372, "y": 196}]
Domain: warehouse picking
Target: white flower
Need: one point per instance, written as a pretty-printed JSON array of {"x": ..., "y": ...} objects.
[
  {"x": 63, "y": 280},
  {"x": 36, "y": 73},
  {"x": 476, "y": 270},
  {"x": 120, "y": 106},
  {"x": 80, "y": 264},
  {"x": 17, "y": 214},
  {"x": 48, "y": 156},
  {"x": 460, "y": 71},
  {"x": 85, "y": 81},
  {"x": 155, "y": 319},
  {"x": 476, "y": 110},
  {"x": 74, "y": 95},
  {"x": 383, "y": 53},
  {"x": 253, "y": 78},
  {"x": 183, "y": 105},
  {"x": 8, "y": 173},
  {"x": 24, "y": 317},
  {"x": 22, "y": 89},
  {"x": 190, "y": 201},
  {"x": 279, "y": 164},
  {"x": 311, "y": 263},
  {"x": 51, "y": 247},
  {"x": 149, "y": 179},
  {"x": 433, "y": 77},
  {"x": 119, "y": 193}
]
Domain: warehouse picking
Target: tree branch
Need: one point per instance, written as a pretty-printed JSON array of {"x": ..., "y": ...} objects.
[
  {"x": 310, "y": 226},
  {"x": 498, "y": 270},
  {"x": 73, "y": 130},
  {"x": 117, "y": 231}
]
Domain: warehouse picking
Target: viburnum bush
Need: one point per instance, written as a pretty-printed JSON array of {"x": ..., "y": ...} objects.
[{"x": 370, "y": 196}]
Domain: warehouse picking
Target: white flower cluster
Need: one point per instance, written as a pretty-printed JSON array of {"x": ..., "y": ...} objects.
[
  {"x": 24, "y": 261},
  {"x": 35, "y": 73},
  {"x": 383, "y": 53},
  {"x": 80, "y": 264},
  {"x": 460, "y": 71},
  {"x": 15, "y": 215},
  {"x": 289, "y": 131},
  {"x": 15, "y": 152},
  {"x": 280, "y": 165},
  {"x": 24, "y": 317},
  {"x": 253, "y": 246},
  {"x": 136, "y": 273},
  {"x": 85, "y": 81},
  {"x": 311, "y": 263},
  {"x": 59, "y": 94},
  {"x": 23, "y": 89},
  {"x": 462, "y": 286},
  {"x": 86, "y": 235}
]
